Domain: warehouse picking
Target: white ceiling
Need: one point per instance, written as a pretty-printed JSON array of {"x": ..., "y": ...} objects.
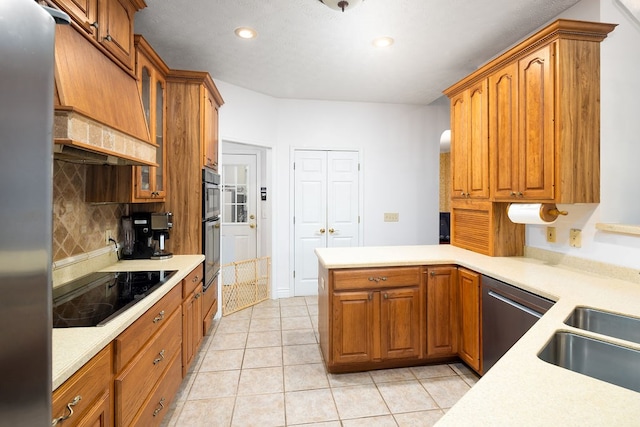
[{"x": 305, "y": 50}]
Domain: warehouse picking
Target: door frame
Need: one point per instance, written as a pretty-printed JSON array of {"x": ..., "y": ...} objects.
[
  {"x": 292, "y": 237},
  {"x": 264, "y": 210}
]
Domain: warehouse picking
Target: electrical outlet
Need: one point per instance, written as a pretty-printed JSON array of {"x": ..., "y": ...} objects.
[
  {"x": 391, "y": 217},
  {"x": 107, "y": 236},
  {"x": 551, "y": 234},
  {"x": 575, "y": 238}
]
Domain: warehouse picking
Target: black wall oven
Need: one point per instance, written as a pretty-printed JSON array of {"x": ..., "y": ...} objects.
[{"x": 210, "y": 225}]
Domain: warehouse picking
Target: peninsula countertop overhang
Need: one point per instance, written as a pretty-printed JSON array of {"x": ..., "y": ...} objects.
[{"x": 521, "y": 389}]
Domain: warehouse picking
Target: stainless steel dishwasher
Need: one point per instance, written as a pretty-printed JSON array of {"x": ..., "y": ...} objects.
[{"x": 507, "y": 313}]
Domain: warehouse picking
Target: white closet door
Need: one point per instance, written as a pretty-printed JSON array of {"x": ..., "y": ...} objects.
[{"x": 326, "y": 210}]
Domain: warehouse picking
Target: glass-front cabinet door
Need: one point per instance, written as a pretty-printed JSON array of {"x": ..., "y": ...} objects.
[{"x": 150, "y": 180}]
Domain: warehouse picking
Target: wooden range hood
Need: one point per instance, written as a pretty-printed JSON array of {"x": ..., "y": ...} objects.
[{"x": 99, "y": 117}]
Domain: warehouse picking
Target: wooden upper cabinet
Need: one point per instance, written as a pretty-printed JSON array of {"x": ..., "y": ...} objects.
[
  {"x": 210, "y": 131},
  {"x": 470, "y": 149},
  {"x": 544, "y": 116},
  {"x": 83, "y": 12},
  {"x": 521, "y": 100},
  {"x": 109, "y": 23},
  {"x": 150, "y": 182}
]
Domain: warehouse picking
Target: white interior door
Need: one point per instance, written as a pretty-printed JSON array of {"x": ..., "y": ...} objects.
[
  {"x": 239, "y": 238},
  {"x": 326, "y": 212}
]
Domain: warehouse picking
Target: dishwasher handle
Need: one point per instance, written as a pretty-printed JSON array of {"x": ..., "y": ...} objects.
[{"x": 515, "y": 304}]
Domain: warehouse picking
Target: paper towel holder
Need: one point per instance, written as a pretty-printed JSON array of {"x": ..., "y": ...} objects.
[{"x": 549, "y": 212}]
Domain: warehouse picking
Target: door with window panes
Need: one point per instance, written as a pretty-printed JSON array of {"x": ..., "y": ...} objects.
[{"x": 239, "y": 218}]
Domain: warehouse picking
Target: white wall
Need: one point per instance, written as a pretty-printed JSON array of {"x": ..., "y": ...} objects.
[
  {"x": 400, "y": 150},
  {"x": 619, "y": 145}
]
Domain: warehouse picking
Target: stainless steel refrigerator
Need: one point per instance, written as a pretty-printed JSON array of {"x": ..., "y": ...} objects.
[{"x": 27, "y": 33}]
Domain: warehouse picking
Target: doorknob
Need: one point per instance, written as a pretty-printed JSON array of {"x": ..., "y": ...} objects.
[
  {"x": 322, "y": 230},
  {"x": 252, "y": 226},
  {"x": 252, "y": 216},
  {"x": 331, "y": 230}
]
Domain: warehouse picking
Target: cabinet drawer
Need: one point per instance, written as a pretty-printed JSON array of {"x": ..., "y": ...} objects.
[
  {"x": 190, "y": 282},
  {"x": 135, "y": 383},
  {"x": 156, "y": 407},
  {"x": 375, "y": 278},
  {"x": 128, "y": 343},
  {"x": 90, "y": 383}
]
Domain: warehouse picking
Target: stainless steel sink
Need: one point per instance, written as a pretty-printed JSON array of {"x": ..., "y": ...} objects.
[
  {"x": 602, "y": 322},
  {"x": 598, "y": 359}
]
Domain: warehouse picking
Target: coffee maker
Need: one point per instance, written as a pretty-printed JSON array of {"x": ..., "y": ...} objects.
[
  {"x": 137, "y": 236},
  {"x": 161, "y": 223}
]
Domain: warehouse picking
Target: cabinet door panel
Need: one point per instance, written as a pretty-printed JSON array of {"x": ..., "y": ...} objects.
[
  {"x": 441, "y": 311},
  {"x": 459, "y": 129},
  {"x": 400, "y": 323},
  {"x": 469, "y": 291},
  {"x": 536, "y": 97},
  {"x": 116, "y": 29},
  {"x": 478, "y": 144},
  {"x": 503, "y": 128},
  {"x": 353, "y": 327}
]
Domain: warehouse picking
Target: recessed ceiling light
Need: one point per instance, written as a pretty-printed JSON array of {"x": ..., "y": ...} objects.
[
  {"x": 382, "y": 42},
  {"x": 245, "y": 32}
]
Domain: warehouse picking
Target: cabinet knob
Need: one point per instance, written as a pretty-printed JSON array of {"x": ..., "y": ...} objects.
[
  {"x": 107, "y": 38},
  {"x": 94, "y": 24},
  {"x": 432, "y": 273},
  {"x": 512, "y": 194},
  {"x": 322, "y": 230},
  {"x": 331, "y": 230},
  {"x": 520, "y": 194},
  {"x": 70, "y": 406},
  {"x": 198, "y": 295},
  {"x": 386, "y": 296},
  {"x": 370, "y": 296},
  {"x": 195, "y": 278}
]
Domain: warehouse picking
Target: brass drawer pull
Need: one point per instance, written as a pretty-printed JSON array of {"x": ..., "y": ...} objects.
[
  {"x": 159, "y": 317},
  {"x": 74, "y": 402},
  {"x": 161, "y": 404},
  {"x": 195, "y": 278},
  {"x": 159, "y": 359},
  {"x": 377, "y": 279}
]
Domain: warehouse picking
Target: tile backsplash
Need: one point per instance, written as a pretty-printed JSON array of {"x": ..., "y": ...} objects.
[{"x": 79, "y": 227}]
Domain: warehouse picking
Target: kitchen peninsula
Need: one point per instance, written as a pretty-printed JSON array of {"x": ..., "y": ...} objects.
[{"x": 520, "y": 388}]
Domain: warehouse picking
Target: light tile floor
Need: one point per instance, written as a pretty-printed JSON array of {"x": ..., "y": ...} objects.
[{"x": 262, "y": 367}]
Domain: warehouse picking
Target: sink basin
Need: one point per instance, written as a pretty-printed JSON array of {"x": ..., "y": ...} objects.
[
  {"x": 597, "y": 359},
  {"x": 602, "y": 322}
]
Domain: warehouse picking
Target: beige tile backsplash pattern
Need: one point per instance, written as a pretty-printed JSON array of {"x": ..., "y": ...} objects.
[{"x": 78, "y": 227}]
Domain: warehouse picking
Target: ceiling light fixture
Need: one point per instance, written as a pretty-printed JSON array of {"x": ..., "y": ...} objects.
[
  {"x": 341, "y": 4},
  {"x": 382, "y": 42},
  {"x": 245, "y": 32}
]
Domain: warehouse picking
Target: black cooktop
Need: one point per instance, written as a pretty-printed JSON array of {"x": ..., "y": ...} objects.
[{"x": 97, "y": 298}]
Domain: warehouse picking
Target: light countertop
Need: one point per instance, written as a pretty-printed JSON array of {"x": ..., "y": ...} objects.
[
  {"x": 73, "y": 347},
  {"x": 521, "y": 389}
]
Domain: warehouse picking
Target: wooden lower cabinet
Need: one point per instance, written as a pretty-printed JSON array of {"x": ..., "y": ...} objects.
[
  {"x": 89, "y": 392},
  {"x": 191, "y": 327},
  {"x": 377, "y": 317},
  {"x": 442, "y": 311},
  {"x": 209, "y": 306},
  {"x": 469, "y": 289},
  {"x": 142, "y": 375}
]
